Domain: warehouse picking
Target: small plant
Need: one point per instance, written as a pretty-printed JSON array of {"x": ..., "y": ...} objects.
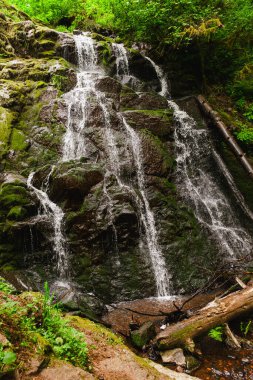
[
  {"x": 249, "y": 112},
  {"x": 245, "y": 327},
  {"x": 245, "y": 134},
  {"x": 7, "y": 359},
  {"x": 5, "y": 287},
  {"x": 217, "y": 333}
]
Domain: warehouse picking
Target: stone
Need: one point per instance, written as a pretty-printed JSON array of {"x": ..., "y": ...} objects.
[
  {"x": 142, "y": 101},
  {"x": 191, "y": 363},
  {"x": 159, "y": 122},
  {"x": 143, "y": 335},
  {"x": 175, "y": 356}
]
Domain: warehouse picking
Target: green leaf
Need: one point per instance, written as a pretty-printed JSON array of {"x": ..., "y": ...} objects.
[{"x": 9, "y": 357}]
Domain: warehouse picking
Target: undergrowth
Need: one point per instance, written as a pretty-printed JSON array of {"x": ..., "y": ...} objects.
[{"x": 31, "y": 319}]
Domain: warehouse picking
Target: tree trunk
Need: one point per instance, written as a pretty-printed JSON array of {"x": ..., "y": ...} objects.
[{"x": 215, "y": 313}]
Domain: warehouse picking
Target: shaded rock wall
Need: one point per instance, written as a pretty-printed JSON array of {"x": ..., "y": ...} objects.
[{"x": 37, "y": 65}]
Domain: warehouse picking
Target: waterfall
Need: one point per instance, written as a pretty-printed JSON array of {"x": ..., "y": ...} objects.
[
  {"x": 200, "y": 188},
  {"x": 162, "y": 277},
  {"x": 121, "y": 59},
  {"x": 78, "y": 99},
  {"x": 55, "y": 215},
  {"x": 74, "y": 146},
  {"x": 147, "y": 219}
]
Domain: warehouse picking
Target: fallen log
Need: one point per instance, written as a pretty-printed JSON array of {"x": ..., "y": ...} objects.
[
  {"x": 208, "y": 111},
  {"x": 215, "y": 313}
]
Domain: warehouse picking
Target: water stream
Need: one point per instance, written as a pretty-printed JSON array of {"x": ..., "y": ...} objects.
[
  {"x": 199, "y": 185},
  {"x": 74, "y": 145},
  {"x": 55, "y": 214}
]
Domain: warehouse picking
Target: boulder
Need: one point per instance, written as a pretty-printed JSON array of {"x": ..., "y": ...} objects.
[
  {"x": 142, "y": 101},
  {"x": 159, "y": 122},
  {"x": 175, "y": 356}
]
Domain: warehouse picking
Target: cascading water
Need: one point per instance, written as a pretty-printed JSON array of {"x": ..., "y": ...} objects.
[
  {"x": 162, "y": 277},
  {"x": 147, "y": 217},
  {"x": 56, "y": 216},
  {"x": 78, "y": 99},
  {"x": 202, "y": 189},
  {"x": 74, "y": 146}
]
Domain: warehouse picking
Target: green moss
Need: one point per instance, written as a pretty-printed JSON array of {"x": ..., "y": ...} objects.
[
  {"x": 101, "y": 332},
  {"x": 6, "y": 118},
  {"x": 13, "y": 195},
  {"x": 168, "y": 160},
  {"x": 105, "y": 52},
  {"x": 18, "y": 140},
  {"x": 17, "y": 213}
]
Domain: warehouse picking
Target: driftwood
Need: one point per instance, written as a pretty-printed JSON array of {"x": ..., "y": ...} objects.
[
  {"x": 214, "y": 116},
  {"x": 215, "y": 313}
]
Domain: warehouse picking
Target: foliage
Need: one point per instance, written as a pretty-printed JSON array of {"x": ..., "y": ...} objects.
[
  {"x": 49, "y": 11},
  {"x": 245, "y": 327},
  {"x": 7, "y": 359},
  {"x": 26, "y": 318},
  {"x": 245, "y": 133},
  {"x": 5, "y": 287},
  {"x": 217, "y": 333}
]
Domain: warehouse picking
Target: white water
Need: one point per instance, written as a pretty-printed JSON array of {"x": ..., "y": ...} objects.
[
  {"x": 161, "y": 274},
  {"x": 78, "y": 100},
  {"x": 74, "y": 146},
  {"x": 200, "y": 188},
  {"x": 122, "y": 67},
  {"x": 56, "y": 216}
]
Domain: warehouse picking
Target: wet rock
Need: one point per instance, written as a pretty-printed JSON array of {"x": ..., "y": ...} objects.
[
  {"x": 74, "y": 183},
  {"x": 66, "y": 48},
  {"x": 159, "y": 122},
  {"x": 175, "y": 356},
  {"x": 143, "y": 335},
  {"x": 142, "y": 101}
]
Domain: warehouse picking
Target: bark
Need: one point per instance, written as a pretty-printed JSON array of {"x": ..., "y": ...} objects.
[{"x": 215, "y": 313}]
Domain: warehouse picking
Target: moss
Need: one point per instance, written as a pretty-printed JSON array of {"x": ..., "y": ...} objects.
[
  {"x": 101, "y": 332},
  {"x": 18, "y": 140},
  {"x": 168, "y": 160},
  {"x": 6, "y": 119},
  {"x": 17, "y": 213},
  {"x": 105, "y": 52},
  {"x": 13, "y": 195}
]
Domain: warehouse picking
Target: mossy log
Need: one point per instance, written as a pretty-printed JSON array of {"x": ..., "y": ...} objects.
[{"x": 215, "y": 313}]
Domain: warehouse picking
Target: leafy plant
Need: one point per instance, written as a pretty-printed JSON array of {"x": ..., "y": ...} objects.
[
  {"x": 217, "y": 333},
  {"x": 245, "y": 134},
  {"x": 31, "y": 317},
  {"x": 245, "y": 327},
  {"x": 7, "y": 359},
  {"x": 6, "y": 287},
  {"x": 249, "y": 112}
]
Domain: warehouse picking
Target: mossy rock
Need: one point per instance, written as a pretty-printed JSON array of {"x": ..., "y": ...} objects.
[
  {"x": 17, "y": 213},
  {"x": 159, "y": 122},
  {"x": 6, "y": 119}
]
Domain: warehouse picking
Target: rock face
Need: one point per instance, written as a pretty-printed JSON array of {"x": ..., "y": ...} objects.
[{"x": 102, "y": 233}]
